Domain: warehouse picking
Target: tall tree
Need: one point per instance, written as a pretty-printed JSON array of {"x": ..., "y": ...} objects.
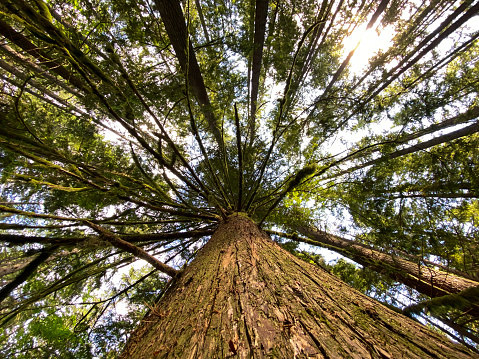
[
  {"x": 426, "y": 280},
  {"x": 174, "y": 133}
]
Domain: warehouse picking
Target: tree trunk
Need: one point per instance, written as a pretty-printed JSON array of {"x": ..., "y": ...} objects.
[
  {"x": 245, "y": 297},
  {"x": 426, "y": 280},
  {"x": 261, "y": 16},
  {"x": 175, "y": 27}
]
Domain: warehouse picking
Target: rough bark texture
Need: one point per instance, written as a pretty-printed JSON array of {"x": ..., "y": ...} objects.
[{"x": 245, "y": 297}]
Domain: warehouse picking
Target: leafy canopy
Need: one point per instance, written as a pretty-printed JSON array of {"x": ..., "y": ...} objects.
[{"x": 129, "y": 129}]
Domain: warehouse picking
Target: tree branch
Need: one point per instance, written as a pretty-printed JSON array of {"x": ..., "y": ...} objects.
[
  {"x": 131, "y": 248},
  {"x": 27, "y": 272}
]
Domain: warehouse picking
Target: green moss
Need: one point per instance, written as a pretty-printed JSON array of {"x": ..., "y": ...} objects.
[
  {"x": 361, "y": 318},
  {"x": 301, "y": 175},
  {"x": 239, "y": 214},
  {"x": 274, "y": 353}
]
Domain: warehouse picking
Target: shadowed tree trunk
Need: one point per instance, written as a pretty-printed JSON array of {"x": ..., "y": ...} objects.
[{"x": 245, "y": 297}]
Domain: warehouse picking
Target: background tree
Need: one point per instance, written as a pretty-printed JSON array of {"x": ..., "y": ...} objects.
[{"x": 136, "y": 129}]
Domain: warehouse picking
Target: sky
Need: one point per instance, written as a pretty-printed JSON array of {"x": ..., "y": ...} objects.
[{"x": 370, "y": 42}]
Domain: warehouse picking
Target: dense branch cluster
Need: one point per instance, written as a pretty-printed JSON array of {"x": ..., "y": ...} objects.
[{"x": 130, "y": 129}]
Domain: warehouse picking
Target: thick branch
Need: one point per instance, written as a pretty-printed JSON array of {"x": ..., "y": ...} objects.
[
  {"x": 470, "y": 114},
  {"x": 16, "y": 265},
  {"x": 131, "y": 248},
  {"x": 26, "y": 273},
  {"x": 240, "y": 160},
  {"x": 468, "y": 130},
  {"x": 21, "y": 239},
  {"x": 465, "y": 300},
  {"x": 202, "y": 20},
  {"x": 425, "y": 280},
  {"x": 25, "y": 44}
]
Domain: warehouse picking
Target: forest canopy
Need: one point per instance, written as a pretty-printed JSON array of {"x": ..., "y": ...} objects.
[{"x": 130, "y": 129}]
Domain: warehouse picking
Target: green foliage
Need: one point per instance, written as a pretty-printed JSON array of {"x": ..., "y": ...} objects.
[
  {"x": 403, "y": 207},
  {"x": 365, "y": 280},
  {"x": 290, "y": 246},
  {"x": 79, "y": 330},
  {"x": 447, "y": 303},
  {"x": 102, "y": 119}
]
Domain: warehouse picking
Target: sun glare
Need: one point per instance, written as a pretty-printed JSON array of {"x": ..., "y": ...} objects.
[{"x": 368, "y": 43}]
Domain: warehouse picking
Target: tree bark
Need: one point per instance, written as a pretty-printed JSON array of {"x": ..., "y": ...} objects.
[
  {"x": 245, "y": 297},
  {"x": 426, "y": 280},
  {"x": 202, "y": 20},
  {"x": 131, "y": 248}
]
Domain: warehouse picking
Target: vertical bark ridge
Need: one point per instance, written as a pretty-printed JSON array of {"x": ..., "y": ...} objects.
[{"x": 245, "y": 297}]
